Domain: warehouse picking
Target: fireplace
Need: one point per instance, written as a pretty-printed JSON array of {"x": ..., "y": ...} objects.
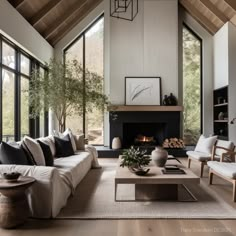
[
  {"x": 142, "y": 140},
  {"x": 143, "y": 134},
  {"x": 156, "y": 125}
]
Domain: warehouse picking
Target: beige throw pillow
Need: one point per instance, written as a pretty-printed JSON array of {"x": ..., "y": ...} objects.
[
  {"x": 35, "y": 150},
  {"x": 79, "y": 140}
]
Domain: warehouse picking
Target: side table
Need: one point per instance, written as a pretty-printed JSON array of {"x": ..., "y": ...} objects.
[{"x": 14, "y": 207}]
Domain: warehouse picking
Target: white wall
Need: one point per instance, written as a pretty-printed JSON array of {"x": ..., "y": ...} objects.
[
  {"x": 221, "y": 77},
  {"x": 232, "y": 79},
  {"x": 148, "y": 46},
  {"x": 207, "y": 70},
  {"x": 17, "y": 29},
  {"x": 225, "y": 69}
]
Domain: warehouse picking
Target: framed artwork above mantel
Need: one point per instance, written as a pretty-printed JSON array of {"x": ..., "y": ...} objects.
[{"x": 143, "y": 91}]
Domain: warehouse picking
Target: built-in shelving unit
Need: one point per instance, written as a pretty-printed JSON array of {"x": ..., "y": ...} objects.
[{"x": 220, "y": 106}]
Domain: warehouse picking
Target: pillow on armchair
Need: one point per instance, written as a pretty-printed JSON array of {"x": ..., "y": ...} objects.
[{"x": 205, "y": 144}]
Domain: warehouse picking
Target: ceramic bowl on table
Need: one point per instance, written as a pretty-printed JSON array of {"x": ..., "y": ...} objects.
[{"x": 11, "y": 176}]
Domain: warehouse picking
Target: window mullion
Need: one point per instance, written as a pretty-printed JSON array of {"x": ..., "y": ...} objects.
[
  {"x": 84, "y": 91},
  {"x": 17, "y": 97}
]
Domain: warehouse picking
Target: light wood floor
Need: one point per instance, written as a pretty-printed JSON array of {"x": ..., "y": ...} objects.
[
  {"x": 134, "y": 227},
  {"x": 124, "y": 228}
]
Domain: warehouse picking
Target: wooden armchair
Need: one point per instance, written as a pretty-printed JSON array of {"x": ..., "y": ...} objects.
[
  {"x": 218, "y": 149},
  {"x": 225, "y": 169}
]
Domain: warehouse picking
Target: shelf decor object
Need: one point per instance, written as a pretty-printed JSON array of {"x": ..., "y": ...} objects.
[
  {"x": 142, "y": 90},
  {"x": 220, "y": 108},
  {"x": 233, "y": 121},
  {"x": 124, "y": 9}
]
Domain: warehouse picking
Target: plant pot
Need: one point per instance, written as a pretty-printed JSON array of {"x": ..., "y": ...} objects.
[{"x": 159, "y": 156}]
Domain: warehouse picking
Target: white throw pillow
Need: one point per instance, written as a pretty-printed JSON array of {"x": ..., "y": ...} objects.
[
  {"x": 35, "y": 149},
  {"x": 205, "y": 144},
  {"x": 68, "y": 131}
]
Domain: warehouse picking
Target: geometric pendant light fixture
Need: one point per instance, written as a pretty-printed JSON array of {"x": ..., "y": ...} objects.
[{"x": 124, "y": 9}]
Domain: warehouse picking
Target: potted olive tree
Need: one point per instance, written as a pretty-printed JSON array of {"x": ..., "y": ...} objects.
[{"x": 63, "y": 91}]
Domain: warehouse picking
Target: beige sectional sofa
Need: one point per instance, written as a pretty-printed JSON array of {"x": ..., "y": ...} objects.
[{"x": 55, "y": 184}]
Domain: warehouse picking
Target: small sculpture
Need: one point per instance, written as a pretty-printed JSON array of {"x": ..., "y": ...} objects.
[{"x": 170, "y": 100}]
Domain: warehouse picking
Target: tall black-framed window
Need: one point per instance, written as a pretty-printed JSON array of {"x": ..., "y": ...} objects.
[
  {"x": 16, "y": 66},
  {"x": 88, "y": 49},
  {"x": 192, "y": 86}
]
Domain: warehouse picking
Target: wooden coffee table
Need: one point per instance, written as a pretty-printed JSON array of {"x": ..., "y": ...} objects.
[
  {"x": 156, "y": 185},
  {"x": 14, "y": 208}
]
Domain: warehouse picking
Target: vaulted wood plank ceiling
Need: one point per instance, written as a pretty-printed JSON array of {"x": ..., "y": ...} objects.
[{"x": 53, "y": 19}]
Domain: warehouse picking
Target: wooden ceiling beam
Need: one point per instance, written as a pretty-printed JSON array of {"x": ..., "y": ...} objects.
[
  {"x": 204, "y": 21},
  {"x": 44, "y": 12},
  {"x": 231, "y": 3},
  {"x": 215, "y": 10},
  {"x": 58, "y": 22},
  {"x": 233, "y": 20},
  {"x": 17, "y": 3},
  {"x": 80, "y": 15}
]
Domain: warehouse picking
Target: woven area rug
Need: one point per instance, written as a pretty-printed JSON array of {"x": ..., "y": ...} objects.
[{"x": 94, "y": 199}]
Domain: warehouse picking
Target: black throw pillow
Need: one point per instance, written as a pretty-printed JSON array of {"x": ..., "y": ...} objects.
[
  {"x": 63, "y": 146},
  {"x": 49, "y": 160},
  {"x": 28, "y": 155},
  {"x": 12, "y": 154}
]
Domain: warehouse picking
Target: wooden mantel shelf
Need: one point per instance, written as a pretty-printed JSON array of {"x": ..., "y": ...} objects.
[{"x": 144, "y": 108}]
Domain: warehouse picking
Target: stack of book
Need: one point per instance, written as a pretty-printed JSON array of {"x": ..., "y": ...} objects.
[{"x": 172, "y": 169}]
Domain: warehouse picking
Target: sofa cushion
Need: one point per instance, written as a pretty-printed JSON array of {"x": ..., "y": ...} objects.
[
  {"x": 224, "y": 168},
  {"x": 79, "y": 140},
  {"x": 12, "y": 154},
  {"x": 49, "y": 140},
  {"x": 74, "y": 167},
  {"x": 63, "y": 146},
  {"x": 34, "y": 148},
  {"x": 49, "y": 160},
  {"x": 200, "y": 156},
  {"x": 205, "y": 145}
]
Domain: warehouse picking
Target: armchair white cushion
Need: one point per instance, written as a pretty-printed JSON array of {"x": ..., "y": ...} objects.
[
  {"x": 205, "y": 145},
  {"x": 200, "y": 156},
  {"x": 223, "y": 168}
]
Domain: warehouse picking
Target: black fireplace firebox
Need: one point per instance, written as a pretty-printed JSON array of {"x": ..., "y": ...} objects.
[
  {"x": 143, "y": 134},
  {"x": 144, "y": 128}
]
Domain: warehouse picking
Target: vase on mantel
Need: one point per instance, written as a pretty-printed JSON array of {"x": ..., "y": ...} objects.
[
  {"x": 116, "y": 143},
  {"x": 159, "y": 156}
]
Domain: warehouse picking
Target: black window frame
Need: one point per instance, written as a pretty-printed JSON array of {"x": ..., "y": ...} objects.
[
  {"x": 184, "y": 25},
  {"x": 82, "y": 36},
  {"x": 34, "y": 63}
]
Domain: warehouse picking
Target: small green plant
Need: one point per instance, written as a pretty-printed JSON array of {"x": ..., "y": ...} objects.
[{"x": 134, "y": 157}]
